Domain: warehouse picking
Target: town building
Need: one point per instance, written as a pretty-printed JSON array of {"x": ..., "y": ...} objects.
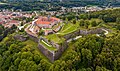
[
  {"x": 46, "y": 24},
  {"x": 8, "y": 18},
  {"x": 11, "y": 23}
]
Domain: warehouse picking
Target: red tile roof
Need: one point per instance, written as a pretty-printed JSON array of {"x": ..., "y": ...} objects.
[
  {"x": 45, "y": 20},
  {"x": 42, "y": 22},
  {"x": 14, "y": 21}
]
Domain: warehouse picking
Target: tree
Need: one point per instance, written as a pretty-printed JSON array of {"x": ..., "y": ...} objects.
[
  {"x": 41, "y": 32},
  {"x": 17, "y": 61},
  {"x": 118, "y": 20},
  {"x": 81, "y": 22},
  {"x": 27, "y": 55},
  {"x": 26, "y": 65},
  {"x": 85, "y": 69},
  {"x": 118, "y": 27},
  {"x": 1, "y": 61},
  {"x": 1, "y": 29},
  {"x": 44, "y": 65},
  {"x": 21, "y": 24},
  {"x": 14, "y": 48},
  {"x": 37, "y": 59},
  {"x": 86, "y": 57},
  {"x": 74, "y": 21},
  {"x": 100, "y": 17},
  {"x": 60, "y": 65},
  {"x": 83, "y": 16},
  {"x": 98, "y": 68},
  {"x": 12, "y": 68},
  {"x": 86, "y": 23},
  {"x": 93, "y": 23}
]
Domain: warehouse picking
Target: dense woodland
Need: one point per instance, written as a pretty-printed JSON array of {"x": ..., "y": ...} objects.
[
  {"x": 105, "y": 15},
  {"x": 52, "y": 6},
  {"x": 89, "y": 53}
]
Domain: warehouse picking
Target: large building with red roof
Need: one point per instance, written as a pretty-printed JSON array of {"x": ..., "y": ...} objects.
[{"x": 45, "y": 23}]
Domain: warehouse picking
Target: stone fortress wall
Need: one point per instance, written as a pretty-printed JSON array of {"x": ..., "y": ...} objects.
[
  {"x": 54, "y": 55},
  {"x": 83, "y": 32}
]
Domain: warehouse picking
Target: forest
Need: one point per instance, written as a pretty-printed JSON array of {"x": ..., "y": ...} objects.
[
  {"x": 89, "y": 53},
  {"x": 52, "y": 6}
]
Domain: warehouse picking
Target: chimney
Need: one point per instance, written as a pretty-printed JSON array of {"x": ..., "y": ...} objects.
[{"x": 48, "y": 17}]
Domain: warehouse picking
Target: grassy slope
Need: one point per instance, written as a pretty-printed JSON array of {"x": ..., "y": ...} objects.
[
  {"x": 68, "y": 28},
  {"x": 55, "y": 38}
]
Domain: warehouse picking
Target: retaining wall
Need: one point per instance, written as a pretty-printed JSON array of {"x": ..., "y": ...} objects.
[
  {"x": 52, "y": 55},
  {"x": 61, "y": 49},
  {"x": 46, "y": 52},
  {"x": 33, "y": 38},
  {"x": 83, "y": 32}
]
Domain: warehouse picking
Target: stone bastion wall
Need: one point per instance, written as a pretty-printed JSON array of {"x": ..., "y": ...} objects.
[
  {"x": 54, "y": 55},
  {"x": 83, "y": 32},
  {"x": 51, "y": 55}
]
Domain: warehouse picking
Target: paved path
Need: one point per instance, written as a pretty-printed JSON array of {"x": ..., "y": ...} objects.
[
  {"x": 77, "y": 37},
  {"x": 20, "y": 27},
  {"x": 46, "y": 43},
  {"x": 106, "y": 32}
]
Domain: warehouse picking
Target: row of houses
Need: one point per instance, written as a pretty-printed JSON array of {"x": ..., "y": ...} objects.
[
  {"x": 65, "y": 10},
  {"x": 7, "y": 18}
]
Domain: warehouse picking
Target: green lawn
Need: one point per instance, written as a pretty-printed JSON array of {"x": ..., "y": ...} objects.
[
  {"x": 55, "y": 38},
  {"x": 65, "y": 27},
  {"x": 97, "y": 20},
  {"x": 50, "y": 47},
  {"x": 68, "y": 28}
]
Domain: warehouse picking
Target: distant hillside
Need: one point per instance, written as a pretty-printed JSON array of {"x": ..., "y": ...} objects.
[{"x": 67, "y": 0}]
